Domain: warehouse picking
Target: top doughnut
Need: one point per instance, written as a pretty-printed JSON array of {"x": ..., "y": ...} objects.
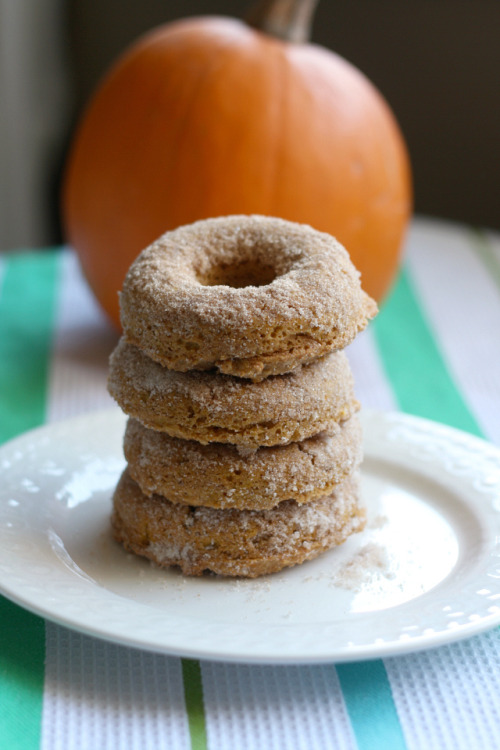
[{"x": 250, "y": 295}]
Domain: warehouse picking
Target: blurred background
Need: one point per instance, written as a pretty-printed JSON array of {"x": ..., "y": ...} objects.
[{"x": 437, "y": 62}]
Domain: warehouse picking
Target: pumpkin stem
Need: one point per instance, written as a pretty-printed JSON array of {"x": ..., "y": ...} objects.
[{"x": 290, "y": 20}]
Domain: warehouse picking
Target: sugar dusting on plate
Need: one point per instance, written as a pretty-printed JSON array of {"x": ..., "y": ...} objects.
[{"x": 370, "y": 560}]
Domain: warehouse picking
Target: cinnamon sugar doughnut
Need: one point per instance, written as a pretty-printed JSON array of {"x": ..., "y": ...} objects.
[
  {"x": 212, "y": 407},
  {"x": 232, "y": 542},
  {"x": 218, "y": 476},
  {"x": 250, "y": 295}
]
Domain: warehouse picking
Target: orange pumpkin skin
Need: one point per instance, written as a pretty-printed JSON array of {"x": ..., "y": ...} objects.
[{"x": 208, "y": 117}]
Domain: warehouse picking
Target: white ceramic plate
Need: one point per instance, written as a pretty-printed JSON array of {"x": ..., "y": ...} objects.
[{"x": 426, "y": 570}]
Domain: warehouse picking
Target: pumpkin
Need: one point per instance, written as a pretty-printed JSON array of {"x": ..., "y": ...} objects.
[{"x": 213, "y": 116}]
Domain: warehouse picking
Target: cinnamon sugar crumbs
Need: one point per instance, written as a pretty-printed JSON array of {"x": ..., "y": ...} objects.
[{"x": 372, "y": 559}]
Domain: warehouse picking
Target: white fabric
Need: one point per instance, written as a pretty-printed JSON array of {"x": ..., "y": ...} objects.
[
  {"x": 449, "y": 697},
  {"x": 275, "y": 707},
  {"x": 99, "y": 695},
  {"x": 372, "y": 387},
  {"x": 83, "y": 340}
]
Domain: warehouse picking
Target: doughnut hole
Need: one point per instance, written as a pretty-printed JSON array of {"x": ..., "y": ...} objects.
[{"x": 237, "y": 275}]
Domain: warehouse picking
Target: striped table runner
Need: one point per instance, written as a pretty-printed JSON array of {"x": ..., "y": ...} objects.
[{"x": 433, "y": 351}]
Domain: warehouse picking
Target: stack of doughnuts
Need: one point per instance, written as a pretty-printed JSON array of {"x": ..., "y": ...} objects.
[{"x": 243, "y": 443}]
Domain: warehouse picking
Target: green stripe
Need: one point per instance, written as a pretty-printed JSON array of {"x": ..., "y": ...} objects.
[
  {"x": 418, "y": 374},
  {"x": 193, "y": 694},
  {"x": 26, "y": 319},
  {"x": 27, "y": 306},
  {"x": 22, "y": 652},
  {"x": 483, "y": 248},
  {"x": 368, "y": 698}
]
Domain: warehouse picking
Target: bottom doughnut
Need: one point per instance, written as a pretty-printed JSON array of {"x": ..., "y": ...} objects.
[{"x": 231, "y": 542}]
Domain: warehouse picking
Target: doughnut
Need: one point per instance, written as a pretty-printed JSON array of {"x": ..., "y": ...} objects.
[
  {"x": 213, "y": 407},
  {"x": 232, "y": 542},
  {"x": 219, "y": 476},
  {"x": 252, "y": 296}
]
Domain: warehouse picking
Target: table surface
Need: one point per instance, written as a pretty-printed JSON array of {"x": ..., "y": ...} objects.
[{"x": 433, "y": 351}]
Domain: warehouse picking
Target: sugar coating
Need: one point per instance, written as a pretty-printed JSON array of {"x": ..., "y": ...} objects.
[
  {"x": 250, "y": 295},
  {"x": 219, "y": 476},
  {"x": 233, "y": 542},
  {"x": 212, "y": 407}
]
